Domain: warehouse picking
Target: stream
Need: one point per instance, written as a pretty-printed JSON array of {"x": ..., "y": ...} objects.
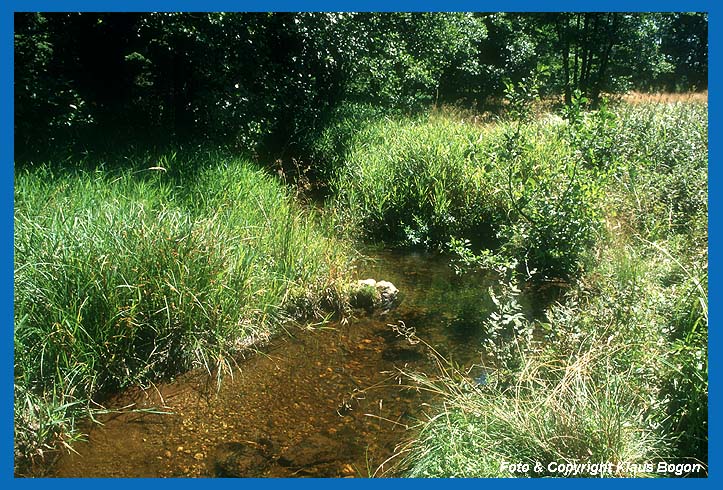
[{"x": 327, "y": 402}]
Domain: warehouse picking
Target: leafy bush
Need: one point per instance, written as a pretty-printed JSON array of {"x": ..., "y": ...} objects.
[
  {"x": 557, "y": 219},
  {"x": 592, "y": 133}
]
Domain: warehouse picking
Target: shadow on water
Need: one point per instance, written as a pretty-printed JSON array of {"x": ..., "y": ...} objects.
[{"x": 323, "y": 403}]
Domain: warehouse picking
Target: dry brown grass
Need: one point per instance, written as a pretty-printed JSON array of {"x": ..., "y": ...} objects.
[
  {"x": 495, "y": 108},
  {"x": 665, "y": 97}
]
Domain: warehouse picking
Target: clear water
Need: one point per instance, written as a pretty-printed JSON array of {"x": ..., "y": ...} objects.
[{"x": 324, "y": 403}]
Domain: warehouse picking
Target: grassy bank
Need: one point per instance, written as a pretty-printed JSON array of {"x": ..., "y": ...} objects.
[
  {"x": 622, "y": 374},
  {"x": 621, "y": 377},
  {"x": 515, "y": 188},
  {"x": 127, "y": 276},
  {"x": 614, "y": 202}
]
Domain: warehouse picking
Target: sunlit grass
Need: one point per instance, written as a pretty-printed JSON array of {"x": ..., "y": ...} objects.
[
  {"x": 622, "y": 373},
  {"x": 557, "y": 411},
  {"x": 122, "y": 277}
]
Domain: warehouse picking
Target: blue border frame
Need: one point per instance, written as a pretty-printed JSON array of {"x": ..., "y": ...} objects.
[
  {"x": 366, "y": 5},
  {"x": 8, "y": 7}
]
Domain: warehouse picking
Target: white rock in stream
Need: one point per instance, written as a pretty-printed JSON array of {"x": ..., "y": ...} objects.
[
  {"x": 372, "y": 294},
  {"x": 388, "y": 292}
]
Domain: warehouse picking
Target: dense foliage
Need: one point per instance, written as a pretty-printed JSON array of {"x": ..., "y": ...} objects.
[
  {"x": 266, "y": 82},
  {"x": 622, "y": 373}
]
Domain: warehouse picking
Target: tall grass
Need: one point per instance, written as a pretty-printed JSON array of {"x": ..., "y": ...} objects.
[
  {"x": 126, "y": 276},
  {"x": 556, "y": 412},
  {"x": 664, "y": 181},
  {"x": 416, "y": 180},
  {"x": 513, "y": 187},
  {"x": 621, "y": 375}
]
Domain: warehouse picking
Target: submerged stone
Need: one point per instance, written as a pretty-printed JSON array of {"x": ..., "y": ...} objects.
[
  {"x": 481, "y": 380},
  {"x": 242, "y": 459},
  {"x": 316, "y": 449}
]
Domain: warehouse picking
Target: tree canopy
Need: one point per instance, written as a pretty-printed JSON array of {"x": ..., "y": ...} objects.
[{"x": 260, "y": 81}]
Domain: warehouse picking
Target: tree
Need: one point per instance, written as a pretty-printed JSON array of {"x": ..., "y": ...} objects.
[
  {"x": 685, "y": 44},
  {"x": 586, "y": 41},
  {"x": 265, "y": 82}
]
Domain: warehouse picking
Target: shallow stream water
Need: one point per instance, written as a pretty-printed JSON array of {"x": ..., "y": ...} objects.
[{"x": 323, "y": 403}]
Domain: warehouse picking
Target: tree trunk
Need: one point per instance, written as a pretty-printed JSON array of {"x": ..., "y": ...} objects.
[
  {"x": 611, "y": 34},
  {"x": 586, "y": 53},
  {"x": 563, "y": 33},
  {"x": 575, "y": 75}
]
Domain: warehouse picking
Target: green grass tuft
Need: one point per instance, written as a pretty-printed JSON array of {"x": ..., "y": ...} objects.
[{"x": 126, "y": 276}]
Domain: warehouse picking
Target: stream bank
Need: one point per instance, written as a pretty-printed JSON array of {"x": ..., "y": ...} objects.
[{"x": 328, "y": 402}]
